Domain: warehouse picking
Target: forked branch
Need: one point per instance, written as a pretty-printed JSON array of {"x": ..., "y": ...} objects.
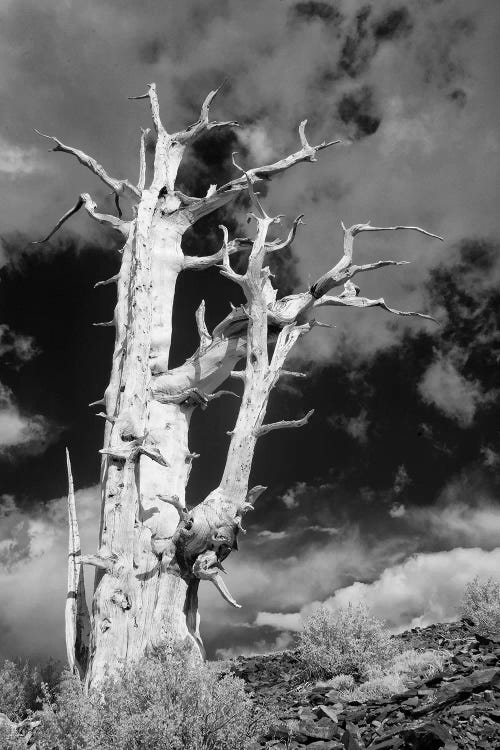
[
  {"x": 226, "y": 192},
  {"x": 120, "y": 187},
  {"x": 86, "y": 202},
  {"x": 203, "y": 123},
  {"x": 345, "y": 269}
]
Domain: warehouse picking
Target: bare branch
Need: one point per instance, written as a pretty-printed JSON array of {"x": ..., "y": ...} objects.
[
  {"x": 203, "y": 124},
  {"x": 358, "y": 228},
  {"x": 106, "y": 324},
  {"x": 218, "y": 394},
  {"x": 112, "y": 280},
  {"x": 276, "y": 245},
  {"x": 345, "y": 269},
  {"x": 254, "y": 494},
  {"x": 192, "y": 263},
  {"x": 207, "y": 568},
  {"x": 142, "y": 160},
  {"x": 284, "y": 424},
  {"x": 350, "y": 298},
  {"x": 225, "y": 266},
  {"x": 292, "y": 374},
  {"x": 226, "y": 192},
  {"x": 205, "y": 338},
  {"x": 120, "y": 187},
  {"x": 100, "y": 402},
  {"x": 155, "y": 109},
  {"x": 86, "y": 201},
  {"x": 77, "y": 620}
]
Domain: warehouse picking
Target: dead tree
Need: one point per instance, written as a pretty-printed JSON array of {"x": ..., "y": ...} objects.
[{"x": 153, "y": 551}]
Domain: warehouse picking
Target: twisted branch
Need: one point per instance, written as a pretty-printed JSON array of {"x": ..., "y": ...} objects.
[
  {"x": 86, "y": 202},
  {"x": 120, "y": 187}
]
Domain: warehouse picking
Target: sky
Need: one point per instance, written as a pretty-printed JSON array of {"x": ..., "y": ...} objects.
[{"x": 389, "y": 496}]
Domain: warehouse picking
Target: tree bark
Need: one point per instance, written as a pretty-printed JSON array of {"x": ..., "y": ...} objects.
[{"x": 153, "y": 552}]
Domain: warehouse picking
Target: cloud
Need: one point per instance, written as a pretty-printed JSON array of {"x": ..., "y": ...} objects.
[
  {"x": 291, "y": 497},
  {"x": 424, "y": 589},
  {"x": 454, "y": 395},
  {"x": 33, "y": 560},
  {"x": 19, "y": 433},
  {"x": 277, "y": 620},
  {"x": 458, "y": 523},
  {"x": 357, "y": 427},
  {"x": 272, "y": 535},
  {"x": 17, "y": 161},
  {"x": 16, "y": 347},
  {"x": 412, "y": 85}
]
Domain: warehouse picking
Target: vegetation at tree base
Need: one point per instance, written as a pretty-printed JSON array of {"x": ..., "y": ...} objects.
[
  {"x": 168, "y": 700},
  {"x": 481, "y": 604}
]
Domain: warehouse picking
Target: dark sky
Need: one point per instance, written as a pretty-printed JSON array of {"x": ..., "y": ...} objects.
[{"x": 390, "y": 494}]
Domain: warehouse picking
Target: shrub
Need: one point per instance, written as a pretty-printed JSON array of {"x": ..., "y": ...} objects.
[
  {"x": 21, "y": 686},
  {"x": 404, "y": 668},
  {"x": 345, "y": 641},
  {"x": 481, "y": 604},
  {"x": 167, "y": 701},
  {"x": 17, "y": 689},
  {"x": 9, "y": 738}
]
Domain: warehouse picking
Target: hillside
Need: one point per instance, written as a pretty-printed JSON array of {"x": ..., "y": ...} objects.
[{"x": 456, "y": 708}]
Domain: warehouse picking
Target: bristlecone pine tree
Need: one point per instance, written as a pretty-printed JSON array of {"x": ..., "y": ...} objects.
[{"x": 153, "y": 551}]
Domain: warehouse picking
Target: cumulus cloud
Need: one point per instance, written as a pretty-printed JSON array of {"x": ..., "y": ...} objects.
[
  {"x": 454, "y": 395},
  {"x": 458, "y": 523},
  {"x": 405, "y": 84},
  {"x": 424, "y": 589},
  {"x": 19, "y": 433},
  {"x": 33, "y": 571}
]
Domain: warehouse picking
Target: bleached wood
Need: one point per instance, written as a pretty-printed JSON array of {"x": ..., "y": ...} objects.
[
  {"x": 120, "y": 187},
  {"x": 77, "y": 619},
  {"x": 153, "y": 552},
  {"x": 86, "y": 201}
]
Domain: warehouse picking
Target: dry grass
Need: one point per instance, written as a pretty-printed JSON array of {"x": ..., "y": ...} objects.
[
  {"x": 481, "y": 604},
  {"x": 406, "y": 667}
]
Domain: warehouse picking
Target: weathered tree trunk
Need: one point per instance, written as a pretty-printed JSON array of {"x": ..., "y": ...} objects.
[{"x": 153, "y": 552}]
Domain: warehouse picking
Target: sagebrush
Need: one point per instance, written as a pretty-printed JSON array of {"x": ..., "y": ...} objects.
[
  {"x": 167, "y": 701},
  {"x": 345, "y": 641},
  {"x": 481, "y": 604},
  {"x": 358, "y": 655}
]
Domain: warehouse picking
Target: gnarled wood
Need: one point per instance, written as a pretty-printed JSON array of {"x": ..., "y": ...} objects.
[{"x": 153, "y": 551}]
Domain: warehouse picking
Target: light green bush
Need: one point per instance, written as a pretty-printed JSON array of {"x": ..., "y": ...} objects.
[
  {"x": 481, "y": 604},
  {"x": 166, "y": 701},
  {"x": 345, "y": 641}
]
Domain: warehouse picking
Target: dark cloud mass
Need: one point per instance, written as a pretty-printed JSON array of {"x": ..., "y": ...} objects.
[{"x": 390, "y": 494}]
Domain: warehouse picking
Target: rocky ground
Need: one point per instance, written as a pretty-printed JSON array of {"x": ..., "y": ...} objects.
[{"x": 457, "y": 708}]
